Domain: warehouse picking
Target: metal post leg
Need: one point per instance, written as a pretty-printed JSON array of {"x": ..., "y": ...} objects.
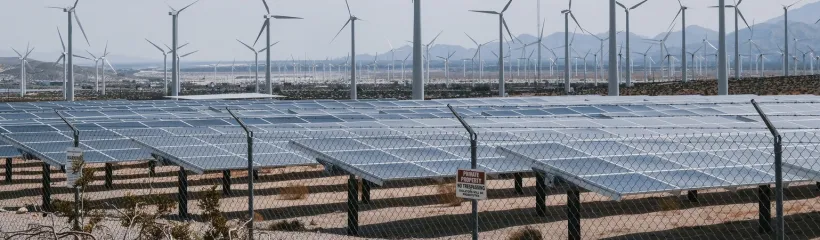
[
  {"x": 109, "y": 175},
  {"x": 8, "y": 170},
  {"x": 692, "y": 195},
  {"x": 182, "y": 195},
  {"x": 540, "y": 195},
  {"x": 352, "y": 206},
  {"x": 226, "y": 182},
  {"x": 519, "y": 183},
  {"x": 47, "y": 187},
  {"x": 574, "y": 213},
  {"x": 764, "y": 197},
  {"x": 256, "y": 175},
  {"x": 366, "y": 191},
  {"x": 152, "y": 169}
]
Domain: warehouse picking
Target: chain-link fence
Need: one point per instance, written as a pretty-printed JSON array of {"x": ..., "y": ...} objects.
[{"x": 398, "y": 182}]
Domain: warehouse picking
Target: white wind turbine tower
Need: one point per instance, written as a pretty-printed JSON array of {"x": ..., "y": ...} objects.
[
  {"x": 96, "y": 61},
  {"x": 682, "y": 12},
  {"x": 692, "y": 54},
  {"x": 179, "y": 58},
  {"x": 175, "y": 83},
  {"x": 215, "y": 67},
  {"x": 71, "y": 11},
  {"x": 645, "y": 55},
  {"x": 402, "y": 65},
  {"x": 426, "y": 71},
  {"x": 567, "y": 44},
  {"x": 352, "y": 21},
  {"x": 266, "y": 28},
  {"x": 23, "y": 64},
  {"x": 478, "y": 54},
  {"x": 738, "y": 16},
  {"x": 628, "y": 57},
  {"x": 502, "y": 24},
  {"x": 104, "y": 60},
  {"x": 164, "y": 65},
  {"x": 392, "y": 62},
  {"x": 256, "y": 60},
  {"x": 62, "y": 57},
  {"x": 447, "y": 67}
]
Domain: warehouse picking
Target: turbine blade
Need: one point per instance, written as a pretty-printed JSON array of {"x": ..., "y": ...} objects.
[
  {"x": 92, "y": 55},
  {"x": 507, "y": 6},
  {"x": 58, "y": 60},
  {"x": 503, "y": 21},
  {"x": 487, "y": 12},
  {"x": 343, "y": 28},
  {"x": 188, "y": 54},
  {"x": 476, "y": 43},
  {"x": 75, "y": 3},
  {"x": 75, "y": 55},
  {"x": 434, "y": 39},
  {"x": 246, "y": 45},
  {"x": 790, "y": 5},
  {"x": 284, "y": 17},
  {"x": 264, "y": 25},
  {"x": 743, "y": 18},
  {"x": 266, "y": 6},
  {"x": 109, "y": 65},
  {"x": 18, "y": 53},
  {"x": 76, "y": 17},
  {"x": 61, "y": 38},
  {"x": 268, "y": 46},
  {"x": 639, "y": 4},
  {"x": 152, "y": 43},
  {"x": 348, "y": 8},
  {"x": 619, "y": 4},
  {"x": 189, "y": 5}
]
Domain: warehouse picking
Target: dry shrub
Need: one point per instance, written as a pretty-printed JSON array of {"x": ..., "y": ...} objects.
[
  {"x": 292, "y": 226},
  {"x": 258, "y": 217},
  {"x": 526, "y": 233},
  {"x": 294, "y": 192},
  {"x": 447, "y": 194}
]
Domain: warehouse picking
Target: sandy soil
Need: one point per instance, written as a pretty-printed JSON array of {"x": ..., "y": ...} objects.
[{"x": 414, "y": 209}]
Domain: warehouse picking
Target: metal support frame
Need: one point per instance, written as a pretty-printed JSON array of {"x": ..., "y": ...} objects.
[
  {"x": 692, "y": 195},
  {"x": 764, "y": 206},
  {"x": 780, "y": 225},
  {"x": 77, "y": 198},
  {"x": 574, "y": 213},
  {"x": 366, "y": 191},
  {"x": 152, "y": 168},
  {"x": 182, "y": 193},
  {"x": 352, "y": 206},
  {"x": 473, "y": 159},
  {"x": 109, "y": 176},
  {"x": 226, "y": 182},
  {"x": 47, "y": 187},
  {"x": 519, "y": 183},
  {"x": 540, "y": 194},
  {"x": 253, "y": 173},
  {"x": 8, "y": 170}
]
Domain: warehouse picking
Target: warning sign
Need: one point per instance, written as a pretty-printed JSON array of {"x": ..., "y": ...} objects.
[
  {"x": 74, "y": 165},
  {"x": 471, "y": 184}
]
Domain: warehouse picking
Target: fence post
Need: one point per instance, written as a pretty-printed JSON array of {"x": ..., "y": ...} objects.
[
  {"x": 473, "y": 165},
  {"x": 249, "y": 135},
  {"x": 780, "y": 226},
  {"x": 76, "y": 134}
]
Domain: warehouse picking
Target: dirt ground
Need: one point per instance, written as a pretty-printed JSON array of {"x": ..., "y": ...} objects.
[{"x": 415, "y": 209}]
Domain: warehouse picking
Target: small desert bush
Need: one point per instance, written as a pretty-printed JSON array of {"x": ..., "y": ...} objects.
[
  {"x": 294, "y": 192},
  {"x": 447, "y": 194},
  {"x": 290, "y": 226},
  {"x": 669, "y": 204},
  {"x": 526, "y": 233}
]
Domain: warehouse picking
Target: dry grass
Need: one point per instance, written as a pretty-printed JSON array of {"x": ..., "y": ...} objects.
[
  {"x": 669, "y": 204},
  {"x": 294, "y": 192},
  {"x": 526, "y": 233},
  {"x": 258, "y": 217},
  {"x": 447, "y": 194}
]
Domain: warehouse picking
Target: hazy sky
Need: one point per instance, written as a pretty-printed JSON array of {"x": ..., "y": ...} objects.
[{"x": 212, "y": 26}]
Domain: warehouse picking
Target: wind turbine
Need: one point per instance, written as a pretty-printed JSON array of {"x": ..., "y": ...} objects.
[
  {"x": 478, "y": 54},
  {"x": 683, "y": 66},
  {"x": 786, "y": 36},
  {"x": 628, "y": 57},
  {"x": 738, "y": 15},
  {"x": 266, "y": 28},
  {"x": 71, "y": 11},
  {"x": 567, "y": 14},
  {"x": 23, "y": 64},
  {"x": 62, "y": 57},
  {"x": 402, "y": 65},
  {"x": 105, "y": 62},
  {"x": 175, "y": 84},
  {"x": 447, "y": 66},
  {"x": 164, "y": 65},
  {"x": 693, "y": 59},
  {"x": 256, "y": 60},
  {"x": 352, "y": 21},
  {"x": 502, "y": 24},
  {"x": 645, "y": 55},
  {"x": 179, "y": 58},
  {"x": 97, "y": 60}
]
